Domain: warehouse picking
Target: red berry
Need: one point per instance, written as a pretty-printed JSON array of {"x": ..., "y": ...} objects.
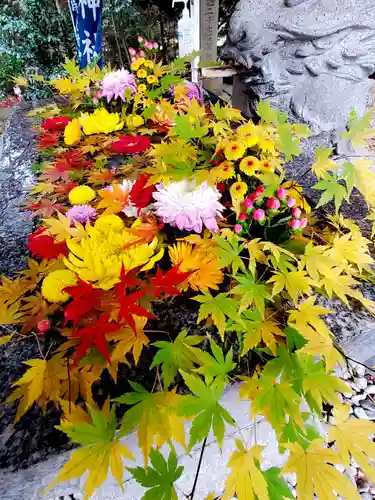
[
  {"x": 242, "y": 217},
  {"x": 43, "y": 325}
]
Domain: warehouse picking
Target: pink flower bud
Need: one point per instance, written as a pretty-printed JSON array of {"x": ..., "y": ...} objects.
[
  {"x": 140, "y": 38},
  {"x": 248, "y": 203},
  {"x": 237, "y": 228},
  {"x": 43, "y": 325},
  {"x": 137, "y": 56},
  {"x": 290, "y": 202},
  {"x": 242, "y": 217},
  {"x": 296, "y": 212},
  {"x": 134, "y": 59},
  {"x": 273, "y": 203},
  {"x": 155, "y": 45},
  {"x": 294, "y": 223},
  {"x": 132, "y": 51},
  {"x": 259, "y": 214},
  {"x": 142, "y": 53},
  {"x": 303, "y": 223},
  {"x": 95, "y": 100},
  {"x": 281, "y": 193}
]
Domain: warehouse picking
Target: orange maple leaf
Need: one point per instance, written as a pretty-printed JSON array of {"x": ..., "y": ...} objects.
[
  {"x": 145, "y": 232},
  {"x": 113, "y": 201}
]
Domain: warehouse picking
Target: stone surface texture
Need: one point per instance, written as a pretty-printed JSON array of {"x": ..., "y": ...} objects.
[{"x": 311, "y": 57}]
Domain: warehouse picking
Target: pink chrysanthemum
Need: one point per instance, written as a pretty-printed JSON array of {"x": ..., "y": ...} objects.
[
  {"x": 115, "y": 83},
  {"x": 81, "y": 213},
  {"x": 188, "y": 207}
]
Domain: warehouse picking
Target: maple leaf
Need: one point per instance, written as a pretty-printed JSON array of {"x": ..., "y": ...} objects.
[
  {"x": 48, "y": 140},
  {"x": 73, "y": 414},
  {"x": 333, "y": 191},
  {"x": 318, "y": 385},
  {"x": 36, "y": 309},
  {"x": 154, "y": 415},
  {"x": 296, "y": 283},
  {"x": 12, "y": 290},
  {"x": 323, "y": 162},
  {"x": 11, "y": 314},
  {"x": 145, "y": 231},
  {"x": 294, "y": 190},
  {"x": 205, "y": 407},
  {"x": 128, "y": 304},
  {"x": 45, "y": 246},
  {"x": 251, "y": 292},
  {"x": 166, "y": 283},
  {"x": 187, "y": 130},
  {"x": 159, "y": 479},
  {"x": 289, "y": 144},
  {"x": 100, "y": 178},
  {"x": 316, "y": 472},
  {"x": 179, "y": 354},
  {"x": 216, "y": 366},
  {"x": 101, "y": 451},
  {"x": 43, "y": 188},
  {"x": 351, "y": 248},
  {"x": 316, "y": 261},
  {"x": 59, "y": 228},
  {"x": 246, "y": 481},
  {"x": 359, "y": 174},
  {"x": 360, "y": 129},
  {"x": 336, "y": 283},
  {"x": 85, "y": 298},
  {"x": 128, "y": 339},
  {"x": 256, "y": 254},
  {"x": 354, "y": 438},
  {"x": 45, "y": 208},
  {"x": 94, "y": 335},
  {"x": 56, "y": 172},
  {"x": 64, "y": 188},
  {"x": 277, "y": 488},
  {"x": 228, "y": 251},
  {"x": 113, "y": 201},
  {"x": 218, "y": 308}
]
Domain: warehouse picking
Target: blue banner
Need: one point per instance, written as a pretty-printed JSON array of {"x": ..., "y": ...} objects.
[{"x": 87, "y": 23}]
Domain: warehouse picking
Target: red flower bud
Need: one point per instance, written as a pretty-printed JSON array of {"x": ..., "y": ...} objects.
[
  {"x": 296, "y": 212},
  {"x": 237, "y": 228},
  {"x": 249, "y": 203},
  {"x": 294, "y": 223},
  {"x": 259, "y": 214},
  {"x": 281, "y": 193},
  {"x": 303, "y": 223},
  {"x": 242, "y": 217},
  {"x": 273, "y": 203}
]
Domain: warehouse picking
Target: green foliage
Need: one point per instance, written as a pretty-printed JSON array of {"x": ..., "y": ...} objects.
[{"x": 277, "y": 487}]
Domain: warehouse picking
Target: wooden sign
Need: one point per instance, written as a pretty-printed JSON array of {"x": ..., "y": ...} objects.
[{"x": 209, "y": 23}]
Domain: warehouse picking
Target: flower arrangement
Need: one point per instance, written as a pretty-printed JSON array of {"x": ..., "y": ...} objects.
[{"x": 149, "y": 194}]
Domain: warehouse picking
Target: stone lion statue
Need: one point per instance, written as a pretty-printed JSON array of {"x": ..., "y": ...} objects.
[{"x": 313, "y": 58}]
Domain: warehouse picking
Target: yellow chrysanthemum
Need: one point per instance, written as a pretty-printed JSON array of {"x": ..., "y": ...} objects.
[
  {"x": 99, "y": 257},
  {"x": 266, "y": 166},
  {"x": 151, "y": 79},
  {"x": 135, "y": 65},
  {"x": 248, "y": 134},
  {"x": 80, "y": 195},
  {"x": 234, "y": 150},
  {"x": 72, "y": 132},
  {"x": 238, "y": 189},
  {"x": 249, "y": 165},
  {"x": 54, "y": 284},
  {"x": 100, "y": 122},
  {"x": 134, "y": 121},
  {"x": 141, "y": 73},
  {"x": 223, "y": 172},
  {"x": 142, "y": 87},
  {"x": 148, "y": 64},
  {"x": 203, "y": 266},
  {"x": 109, "y": 222}
]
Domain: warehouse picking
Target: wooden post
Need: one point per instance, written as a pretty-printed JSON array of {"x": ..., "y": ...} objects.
[{"x": 209, "y": 22}]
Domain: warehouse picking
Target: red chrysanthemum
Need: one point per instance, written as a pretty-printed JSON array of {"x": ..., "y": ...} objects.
[
  {"x": 128, "y": 144},
  {"x": 141, "y": 194},
  {"x": 44, "y": 246},
  {"x": 57, "y": 123}
]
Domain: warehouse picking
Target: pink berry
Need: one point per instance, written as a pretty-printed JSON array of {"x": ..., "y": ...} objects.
[
  {"x": 242, "y": 217},
  {"x": 296, "y": 212},
  {"x": 294, "y": 223},
  {"x": 237, "y": 228},
  {"x": 303, "y": 223},
  {"x": 95, "y": 100},
  {"x": 137, "y": 56},
  {"x": 248, "y": 203},
  {"x": 140, "y": 38},
  {"x": 132, "y": 51},
  {"x": 281, "y": 193},
  {"x": 43, "y": 325},
  {"x": 259, "y": 214},
  {"x": 155, "y": 45},
  {"x": 142, "y": 53},
  {"x": 134, "y": 59},
  {"x": 273, "y": 203},
  {"x": 290, "y": 202},
  {"x": 259, "y": 189}
]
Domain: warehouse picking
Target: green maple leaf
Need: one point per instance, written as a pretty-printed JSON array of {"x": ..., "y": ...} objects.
[
  {"x": 186, "y": 130},
  {"x": 229, "y": 251},
  {"x": 294, "y": 339},
  {"x": 149, "y": 111},
  {"x": 206, "y": 409},
  {"x": 323, "y": 162},
  {"x": 159, "y": 478},
  {"x": 176, "y": 355},
  {"x": 290, "y": 145},
  {"x": 251, "y": 292},
  {"x": 219, "y": 308},
  {"x": 293, "y": 433},
  {"x": 359, "y": 129},
  {"x": 277, "y": 487},
  {"x": 72, "y": 68},
  {"x": 332, "y": 191},
  {"x": 226, "y": 113},
  {"x": 268, "y": 114},
  {"x": 214, "y": 366}
]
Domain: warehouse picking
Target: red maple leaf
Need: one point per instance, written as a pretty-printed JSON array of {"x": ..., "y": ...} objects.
[
  {"x": 127, "y": 280},
  {"x": 58, "y": 171},
  {"x": 48, "y": 140},
  {"x": 45, "y": 208},
  {"x": 56, "y": 123},
  {"x": 64, "y": 188},
  {"x": 85, "y": 298},
  {"x": 73, "y": 160},
  {"x": 145, "y": 231},
  {"x": 129, "y": 144},
  {"x": 166, "y": 283},
  {"x": 141, "y": 194},
  {"x": 94, "y": 335},
  {"x": 44, "y": 246}
]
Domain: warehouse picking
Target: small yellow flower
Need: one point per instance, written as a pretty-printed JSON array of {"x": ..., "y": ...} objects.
[
  {"x": 266, "y": 166},
  {"x": 249, "y": 165},
  {"x": 80, "y": 195},
  {"x": 148, "y": 64},
  {"x": 135, "y": 65},
  {"x": 223, "y": 172},
  {"x": 54, "y": 284},
  {"x": 72, "y": 132},
  {"x": 152, "y": 79},
  {"x": 141, "y": 73},
  {"x": 133, "y": 121},
  {"x": 141, "y": 61},
  {"x": 234, "y": 150},
  {"x": 238, "y": 189},
  {"x": 142, "y": 87}
]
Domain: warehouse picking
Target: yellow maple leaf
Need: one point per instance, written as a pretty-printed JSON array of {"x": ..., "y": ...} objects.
[
  {"x": 12, "y": 290},
  {"x": 336, "y": 283},
  {"x": 128, "y": 340},
  {"x": 11, "y": 314},
  {"x": 256, "y": 254},
  {"x": 353, "y": 438},
  {"x": 296, "y": 283},
  {"x": 316, "y": 261},
  {"x": 316, "y": 473},
  {"x": 73, "y": 414},
  {"x": 246, "y": 480},
  {"x": 59, "y": 228},
  {"x": 257, "y": 329},
  {"x": 294, "y": 190},
  {"x": 323, "y": 163},
  {"x": 351, "y": 248}
]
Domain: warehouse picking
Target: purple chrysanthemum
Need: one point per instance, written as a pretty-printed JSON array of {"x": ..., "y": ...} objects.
[
  {"x": 81, "y": 213},
  {"x": 115, "y": 83}
]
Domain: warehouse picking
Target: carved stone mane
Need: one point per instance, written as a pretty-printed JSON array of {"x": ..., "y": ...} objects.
[{"x": 311, "y": 57}]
